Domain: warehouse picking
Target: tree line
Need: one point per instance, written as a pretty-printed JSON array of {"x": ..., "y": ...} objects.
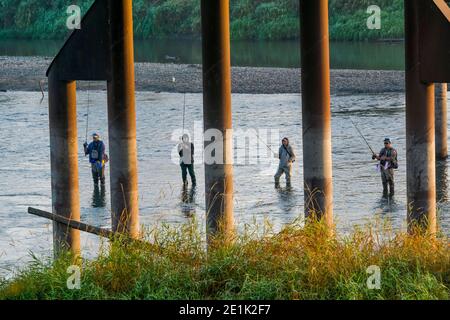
[{"x": 249, "y": 19}]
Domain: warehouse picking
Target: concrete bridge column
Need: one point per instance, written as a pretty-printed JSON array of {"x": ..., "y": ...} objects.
[
  {"x": 122, "y": 121},
  {"x": 64, "y": 162},
  {"x": 217, "y": 115},
  {"x": 420, "y": 143},
  {"x": 316, "y": 113}
]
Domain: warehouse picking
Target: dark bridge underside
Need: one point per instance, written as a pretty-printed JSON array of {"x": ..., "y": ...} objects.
[
  {"x": 434, "y": 38},
  {"x": 86, "y": 53}
]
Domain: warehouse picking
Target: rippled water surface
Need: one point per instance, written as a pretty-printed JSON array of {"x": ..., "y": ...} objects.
[{"x": 25, "y": 168}]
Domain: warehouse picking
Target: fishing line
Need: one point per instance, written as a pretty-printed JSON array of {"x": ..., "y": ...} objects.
[
  {"x": 42, "y": 90},
  {"x": 362, "y": 136},
  {"x": 87, "y": 115},
  {"x": 275, "y": 153},
  {"x": 184, "y": 110}
]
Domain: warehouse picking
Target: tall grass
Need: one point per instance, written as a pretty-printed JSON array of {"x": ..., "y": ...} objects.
[
  {"x": 250, "y": 19},
  {"x": 299, "y": 262}
]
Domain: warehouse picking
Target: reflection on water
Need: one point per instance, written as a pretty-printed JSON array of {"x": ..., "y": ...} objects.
[
  {"x": 386, "y": 205},
  {"x": 162, "y": 199},
  {"x": 288, "y": 201},
  {"x": 99, "y": 197},
  {"x": 285, "y": 54},
  {"x": 442, "y": 181},
  {"x": 188, "y": 201},
  {"x": 385, "y": 210}
]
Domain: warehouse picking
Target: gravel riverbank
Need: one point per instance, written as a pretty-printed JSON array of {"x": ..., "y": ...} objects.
[{"x": 25, "y": 73}]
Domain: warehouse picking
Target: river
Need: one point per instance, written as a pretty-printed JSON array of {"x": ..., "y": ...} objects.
[
  {"x": 25, "y": 168},
  {"x": 283, "y": 54}
]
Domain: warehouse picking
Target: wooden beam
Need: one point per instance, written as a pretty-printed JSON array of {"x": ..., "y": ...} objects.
[
  {"x": 443, "y": 7},
  {"x": 74, "y": 224}
]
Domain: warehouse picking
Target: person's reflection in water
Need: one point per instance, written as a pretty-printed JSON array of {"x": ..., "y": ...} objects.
[
  {"x": 287, "y": 199},
  {"x": 441, "y": 181},
  {"x": 188, "y": 201},
  {"x": 386, "y": 205},
  {"x": 98, "y": 197}
]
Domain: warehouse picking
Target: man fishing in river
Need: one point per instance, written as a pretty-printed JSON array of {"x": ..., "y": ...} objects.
[
  {"x": 186, "y": 152},
  {"x": 388, "y": 162},
  {"x": 97, "y": 158},
  {"x": 287, "y": 157}
]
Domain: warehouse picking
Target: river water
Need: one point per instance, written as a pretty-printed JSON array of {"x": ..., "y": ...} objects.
[
  {"x": 283, "y": 54},
  {"x": 25, "y": 168}
]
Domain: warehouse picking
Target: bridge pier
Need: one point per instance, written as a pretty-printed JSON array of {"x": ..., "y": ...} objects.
[
  {"x": 64, "y": 162},
  {"x": 441, "y": 121},
  {"x": 316, "y": 113},
  {"x": 217, "y": 116},
  {"x": 420, "y": 130},
  {"x": 122, "y": 121}
]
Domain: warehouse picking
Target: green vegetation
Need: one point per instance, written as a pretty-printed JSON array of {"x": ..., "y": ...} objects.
[
  {"x": 296, "y": 263},
  {"x": 250, "y": 19}
]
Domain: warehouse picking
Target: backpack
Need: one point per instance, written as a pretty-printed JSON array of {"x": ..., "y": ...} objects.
[
  {"x": 94, "y": 154},
  {"x": 394, "y": 163}
]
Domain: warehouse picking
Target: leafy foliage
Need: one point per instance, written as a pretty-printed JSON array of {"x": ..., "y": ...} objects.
[{"x": 250, "y": 19}]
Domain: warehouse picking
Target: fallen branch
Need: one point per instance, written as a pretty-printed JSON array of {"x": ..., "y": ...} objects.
[{"x": 74, "y": 224}]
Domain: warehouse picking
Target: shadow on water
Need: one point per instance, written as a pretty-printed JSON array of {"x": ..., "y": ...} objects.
[
  {"x": 188, "y": 201},
  {"x": 98, "y": 197}
]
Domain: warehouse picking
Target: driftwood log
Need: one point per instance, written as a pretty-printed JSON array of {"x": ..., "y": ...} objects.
[{"x": 74, "y": 224}]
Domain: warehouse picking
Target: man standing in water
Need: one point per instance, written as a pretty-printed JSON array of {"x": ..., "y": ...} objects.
[
  {"x": 97, "y": 158},
  {"x": 287, "y": 157},
  {"x": 186, "y": 152},
  {"x": 388, "y": 162}
]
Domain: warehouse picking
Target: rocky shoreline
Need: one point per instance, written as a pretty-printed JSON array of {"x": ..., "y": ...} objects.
[{"x": 28, "y": 74}]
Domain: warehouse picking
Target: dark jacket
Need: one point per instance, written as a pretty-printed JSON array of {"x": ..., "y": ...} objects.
[{"x": 96, "y": 151}]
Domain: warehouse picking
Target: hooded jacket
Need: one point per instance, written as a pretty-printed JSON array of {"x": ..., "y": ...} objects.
[{"x": 286, "y": 155}]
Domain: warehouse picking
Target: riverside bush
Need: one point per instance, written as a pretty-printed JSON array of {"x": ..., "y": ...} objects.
[{"x": 299, "y": 262}]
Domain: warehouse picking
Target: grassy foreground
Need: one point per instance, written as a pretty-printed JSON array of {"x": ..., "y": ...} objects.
[{"x": 296, "y": 263}]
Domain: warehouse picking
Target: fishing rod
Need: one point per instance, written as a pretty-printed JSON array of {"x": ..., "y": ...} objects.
[
  {"x": 42, "y": 90},
  {"x": 87, "y": 115},
  {"x": 362, "y": 136},
  {"x": 275, "y": 153},
  {"x": 184, "y": 110}
]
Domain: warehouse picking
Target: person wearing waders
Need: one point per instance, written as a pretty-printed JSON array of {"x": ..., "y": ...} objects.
[
  {"x": 97, "y": 158},
  {"x": 186, "y": 152},
  {"x": 388, "y": 162},
  {"x": 287, "y": 157}
]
